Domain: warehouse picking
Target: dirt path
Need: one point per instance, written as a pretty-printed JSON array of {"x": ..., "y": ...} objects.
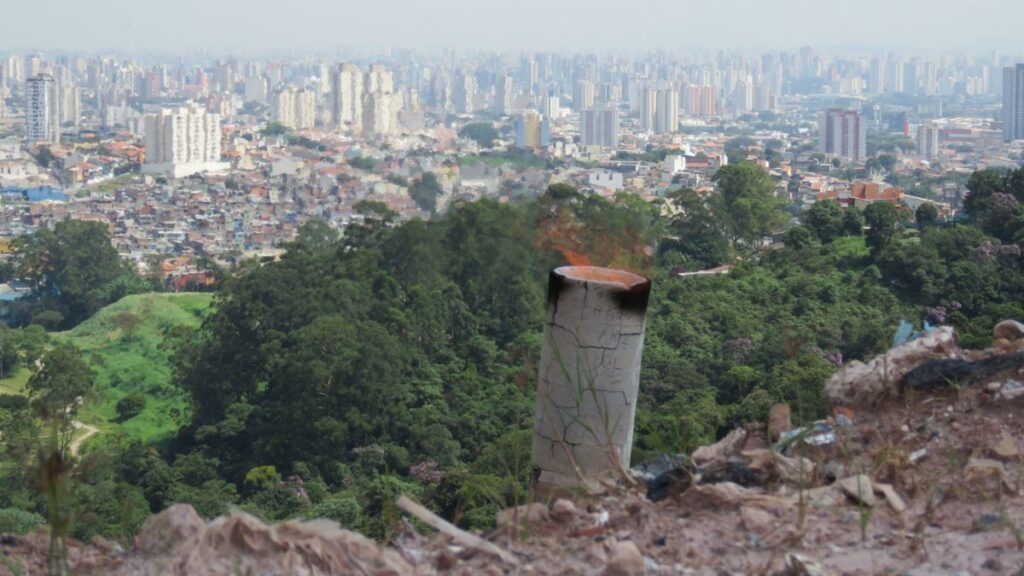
[{"x": 77, "y": 442}]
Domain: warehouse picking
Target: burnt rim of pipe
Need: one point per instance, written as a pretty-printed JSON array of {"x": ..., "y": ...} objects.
[{"x": 631, "y": 291}]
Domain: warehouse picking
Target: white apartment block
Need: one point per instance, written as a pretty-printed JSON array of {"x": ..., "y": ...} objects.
[
  {"x": 347, "y": 104},
  {"x": 183, "y": 141},
  {"x": 377, "y": 106},
  {"x": 295, "y": 109},
  {"x": 42, "y": 113}
]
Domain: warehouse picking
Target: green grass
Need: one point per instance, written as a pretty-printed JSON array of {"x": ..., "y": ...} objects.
[
  {"x": 15, "y": 383},
  {"x": 135, "y": 360}
]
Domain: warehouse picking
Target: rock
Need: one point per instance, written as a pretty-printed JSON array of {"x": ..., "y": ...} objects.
[
  {"x": 563, "y": 510},
  {"x": 242, "y": 544},
  {"x": 721, "y": 450},
  {"x": 797, "y": 565},
  {"x": 163, "y": 532},
  {"x": 1008, "y": 329},
  {"x": 1007, "y": 448},
  {"x": 895, "y": 501},
  {"x": 859, "y": 382},
  {"x": 524, "y": 515},
  {"x": 769, "y": 466},
  {"x": 756, "y": 520},
  {"x": 624, "y": 559},
  {"x": 859, "y": 488},
  {"x": 982, "y": 469},
  {"x": 779, "y": 421}
]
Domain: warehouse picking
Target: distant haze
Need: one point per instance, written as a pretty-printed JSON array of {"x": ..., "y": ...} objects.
[{"x": 263, "y": 26}]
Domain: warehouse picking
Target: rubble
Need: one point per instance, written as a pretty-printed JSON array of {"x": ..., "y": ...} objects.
[
  {"x": 859, "y": 488},
  {"x": 1009, "y": 330},
  {"x": 860, "y": 382}
]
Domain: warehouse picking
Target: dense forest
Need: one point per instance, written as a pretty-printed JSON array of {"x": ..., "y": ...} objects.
[{"x": 401, "y": 357}]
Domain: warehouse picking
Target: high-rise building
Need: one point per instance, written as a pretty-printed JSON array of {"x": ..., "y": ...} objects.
[
  {"x": 585, "y": 94},
  {"x": 533, "y": 130},
  {"x": 294, "y": 109},
  {"x": 648, "y": 108},
  {"x": 743, "y": 96},
  {"x": 600, "y": 127},
  {"x": 928, "y": 141},
  {"x": 503, "y": 95},
  {"x": 42, "y": 116},
  {"x": 842, "y": 134},
  {"x": 464, "y": 92},
  {"x": 552, "y": 104},
  {"x": 666, "y": 117},
  {"x": 1013, "y": 102},
  {"x": 183, "y": 141},
  {"x": 347, "y": 98},
  {"x": 377, "y": 101}
]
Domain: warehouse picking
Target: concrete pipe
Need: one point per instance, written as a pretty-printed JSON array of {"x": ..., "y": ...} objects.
[{"x": 589, "y": 373}]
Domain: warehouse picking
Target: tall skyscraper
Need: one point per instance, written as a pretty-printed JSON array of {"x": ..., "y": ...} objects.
[
  {"x": 1013, "y": 102},
  {"x": 666, "y": 117},
  {"x": 928, "y": 141},
  {"x": 648, "y": 108},
  {"x": 183, "y": 141},
  {"x": 503, "y": 94},
  {"x": 347, "y": 100},
  {"x": 42, "y": 116},
  {"x": 583, "y": 99},
  {"x": 600, "y": 127},
  {"x": 842, "y": 134},
  {"x": 377, "y": 101}
]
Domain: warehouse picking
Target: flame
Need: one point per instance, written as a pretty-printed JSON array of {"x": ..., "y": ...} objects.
[{"x": 592, "y": 245}]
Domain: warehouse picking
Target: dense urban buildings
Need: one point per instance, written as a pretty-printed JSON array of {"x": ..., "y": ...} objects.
[{"x": 599, "y": 127}]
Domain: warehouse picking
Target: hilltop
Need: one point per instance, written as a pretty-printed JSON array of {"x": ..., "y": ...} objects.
[{"x": 129, "y": 344}]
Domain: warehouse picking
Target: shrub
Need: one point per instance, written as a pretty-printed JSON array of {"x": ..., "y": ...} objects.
[
  {"x": 130, "y": 406},
  {"x": 17, "y": 521}
]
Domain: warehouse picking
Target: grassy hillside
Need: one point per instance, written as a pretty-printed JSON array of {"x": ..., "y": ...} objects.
[{"x": 126, "y": 343}]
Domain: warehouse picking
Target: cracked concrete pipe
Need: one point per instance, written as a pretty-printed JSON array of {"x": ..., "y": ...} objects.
[{"x": 589, "y": 373}]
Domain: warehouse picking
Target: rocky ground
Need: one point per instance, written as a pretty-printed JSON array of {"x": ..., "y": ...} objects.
[{"x": 919, "y": 471}]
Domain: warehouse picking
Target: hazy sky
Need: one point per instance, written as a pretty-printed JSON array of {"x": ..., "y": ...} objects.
[{"x": 258, "y": 26}]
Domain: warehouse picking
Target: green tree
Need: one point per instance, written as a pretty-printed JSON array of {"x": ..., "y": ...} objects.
[
  {"x": 483, "y": 133},
  {"x": 751, "y": 209},
  {"x": 981, "y": 186},
  {"x": 826, "y": 219},
  {"x": 882, "y": 220},
  {"x": 926, "y": 215},
  {"x": 74, "y": 266},
  {"x": 425, "y": 192},
  {"x": 130, "y": 406},
  {"x": 853, "y": 222},
  {"x": 695, "y": 232},
  {"x": 58, "y": 387},
  {"x": 316, "y": 234}
]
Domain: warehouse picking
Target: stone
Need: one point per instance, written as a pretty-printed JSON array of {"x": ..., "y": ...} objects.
[
  {"x": 859, "y": 488},
  {"x": 1008, "y": 329},
  {"x": 756, "y": 520},
  {"x": 1006, "y": 448},
  {"x": 624, "y": 559},
  {"x": 895, "y": 501},
  {"x": 721, "y": 450},
  {"x": 163, "y": 532},
  {"x": 525, "y": 515},
  {"x": 563, "y": 510},
  {"x": 779, "y": 421}
]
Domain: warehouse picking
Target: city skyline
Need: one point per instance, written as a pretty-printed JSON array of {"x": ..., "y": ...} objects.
[{"x": 263, "y": 27}]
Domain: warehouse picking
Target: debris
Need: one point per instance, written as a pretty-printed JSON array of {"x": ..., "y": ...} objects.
[
  {"x": 860, "y": 382},
  {"x": 624, "y": 559},
  {"x": 772, "y": 466},
  {"x": 729, "y": 495},
  {"x": 756, "y": 520},
  {"x": 1011, "y": 389},
  {"x": 946, "y": 372},
  {"x": 819, "y": 434},
  {"x": 895, "y": 501},
  {"x": 779, "y": 421},
  {"x": 722, "y": 449},
  {"x": 666, "y": 476},
  {"x": 460, "y": 536},
  {"x": 1009, "y": 329},
  {"x": 834, "y": 470},
  {"x": 917, "y": 455},
  {"x": 859, "y": 488},
  {"x": 797, "y": 565}
]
